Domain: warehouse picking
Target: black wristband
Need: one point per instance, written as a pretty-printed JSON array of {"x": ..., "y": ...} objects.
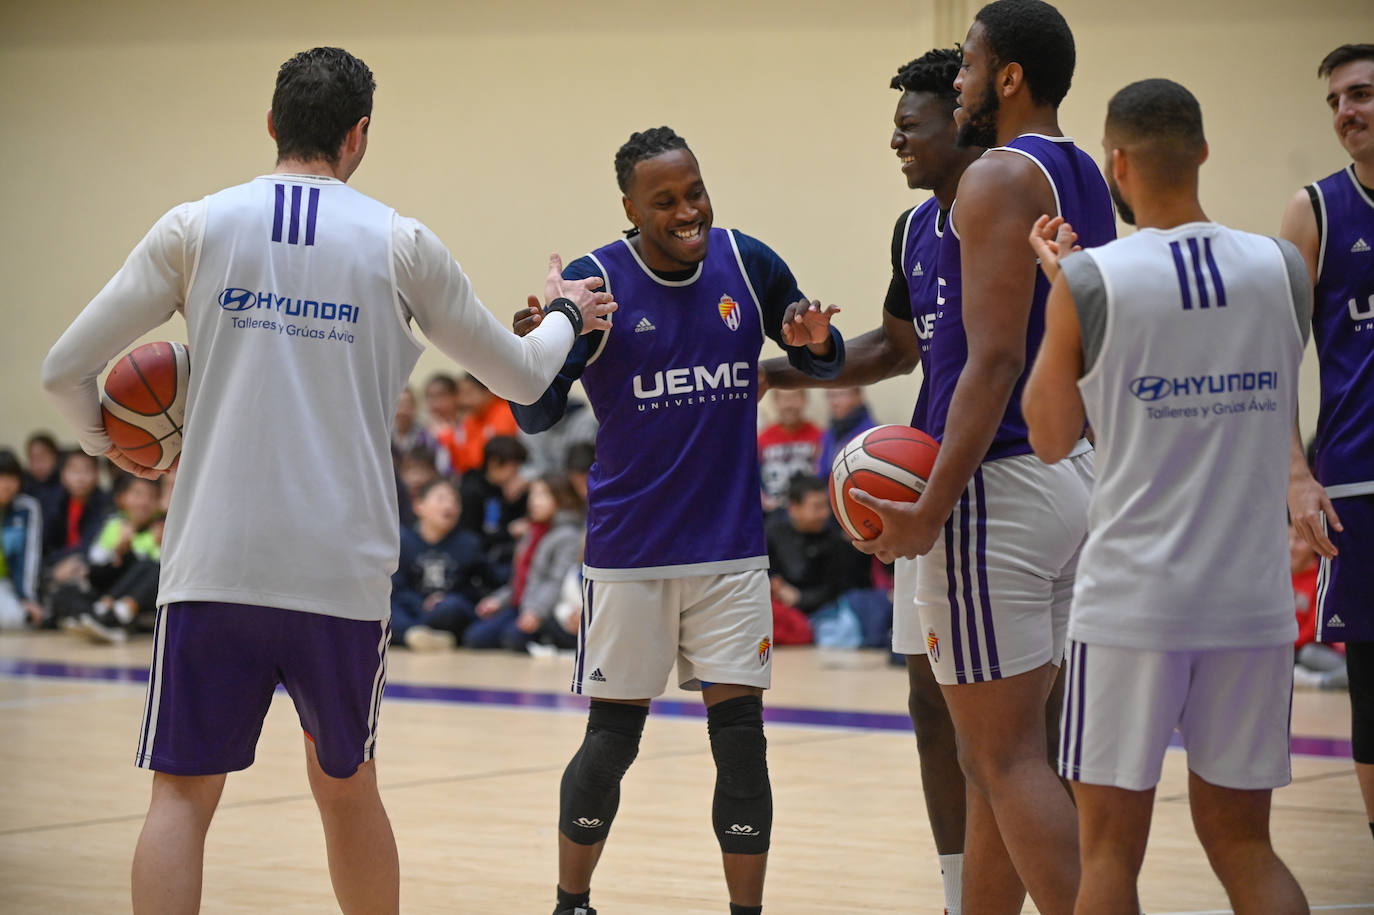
[{"x": 567, "y": 307}]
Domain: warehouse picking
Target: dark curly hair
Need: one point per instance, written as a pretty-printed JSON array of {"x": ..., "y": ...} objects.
[
  {"x": 644, "y": 145},
  {"x": 1344, "y": 55},
  {"x": 933, "y": 72},
  {"x": 1033, "y": 34},
  {"x": 320, "y": 95}
]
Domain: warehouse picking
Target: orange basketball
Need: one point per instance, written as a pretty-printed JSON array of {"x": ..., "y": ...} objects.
[
  {"x": 144, "y": 403},
  {"x": 890, "y": 462}
]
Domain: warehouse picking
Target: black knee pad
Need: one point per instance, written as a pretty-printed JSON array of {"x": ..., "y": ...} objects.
[
  {"x": 1359, "y": 665},
  {"x": 742, "y": 811},
  {"x": 590, "y": 792}
]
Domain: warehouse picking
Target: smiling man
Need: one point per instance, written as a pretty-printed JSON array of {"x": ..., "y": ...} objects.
[
  {"x": 997, "y": 531},
  {"x": 676, "y": 561},
  {"x": 1332, "y": 223},
  {"x": 923, "y": 138}
]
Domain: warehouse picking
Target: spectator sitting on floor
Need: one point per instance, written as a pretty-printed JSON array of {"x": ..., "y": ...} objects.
[
  {"x": 21, "y": 547},
  {"x": 523, "y": 611},
  {"x": 848, "y": 417},
  {"x": 43, "y": 481},
  {"x": 441, "y": 574},
  {"x": 812, "y": 562},
  {"x": 414, "y": 470},
  {"x": 786, "y": 448},
  {"x": 549, "y": 449},
  {"x": 485, "y": 416},
  {"x": 581, "y": 457},
  {"x": 493, "y": 498},
  {"x": 441, "y": 419},
  {"x": 124, "y": 564},
  {"x": 79, "y": 514}
]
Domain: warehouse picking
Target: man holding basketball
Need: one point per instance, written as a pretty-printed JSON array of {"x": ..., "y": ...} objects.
[
  {"x": 923, "y": 139},
  {"x": 997, "y": 531},
  {"x": 676, "y": 561},
  {"x": 281, "y": 537}
]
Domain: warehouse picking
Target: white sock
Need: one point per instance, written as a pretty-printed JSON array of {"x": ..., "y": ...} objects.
[
  {"x": 952, "y": 871},
  {"x": 125, "y": 610}
]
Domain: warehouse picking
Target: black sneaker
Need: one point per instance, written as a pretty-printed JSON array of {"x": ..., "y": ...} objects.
[{"x": 576, "y": 910}]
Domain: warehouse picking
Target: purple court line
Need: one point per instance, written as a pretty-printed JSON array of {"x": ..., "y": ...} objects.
[{"x": 1331, "y": 747}]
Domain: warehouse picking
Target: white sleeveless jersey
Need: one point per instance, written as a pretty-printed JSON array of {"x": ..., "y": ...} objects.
[
  {"x": 298, "y": 294},
  {"x": 1192, "y": 396}
]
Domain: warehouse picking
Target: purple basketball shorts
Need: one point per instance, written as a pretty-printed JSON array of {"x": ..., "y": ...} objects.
[{"x": 215, "y": 667}]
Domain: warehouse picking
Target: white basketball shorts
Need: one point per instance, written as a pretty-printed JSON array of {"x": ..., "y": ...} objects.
[
  {"x": 1231, "y": 706},
  {"x": 993, "y": 593},
  {"x": 908, "y": 635},
  {"x": 719, "y": 629}
]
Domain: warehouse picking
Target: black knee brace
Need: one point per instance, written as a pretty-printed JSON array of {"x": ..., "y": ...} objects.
[
  {"x": 1359, "y": 661},
  {"x": 590, "y": 793},
  {"x": 742, "y": 811}
]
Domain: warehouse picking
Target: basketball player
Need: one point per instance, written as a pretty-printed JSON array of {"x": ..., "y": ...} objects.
[
  {"x": 1332, "y": 223},
  {"x": 923, "y": 139},
  {"x": 1182, "y": 343},
  {"x": 998, "y": 531},
  {"x": 676, "y": 563},
  {"x": 298, "y": 294}
]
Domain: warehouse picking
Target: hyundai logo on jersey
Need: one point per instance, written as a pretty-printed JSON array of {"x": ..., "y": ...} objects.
[
  {"x": 1154, "y": 387},
  {"x": 236, "y": 298}
]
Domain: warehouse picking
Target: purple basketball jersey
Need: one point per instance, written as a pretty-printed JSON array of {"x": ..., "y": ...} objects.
[
  {"x": 674, "y": 387},
  {"x": 1087, "y": 204},
  {"x": 1343, "y": 325},
  {"x": 920, "y": 257}
]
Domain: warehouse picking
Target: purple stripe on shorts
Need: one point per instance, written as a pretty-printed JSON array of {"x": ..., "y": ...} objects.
[
  {"x": 293, "y": 234},
  {"x": 1081, "y": 670},
  {"x": 970, "y": 614},
  {"x": 1066, "y": 715},
  {"x": 582, "y": 634},
  {"x": 149, "y": 706},
  {"x": 958, "y": 647},
  {"x": 311, "y": 209},
  {"x": 994, "y": 668},
  {"x": 280, "y": 195}
]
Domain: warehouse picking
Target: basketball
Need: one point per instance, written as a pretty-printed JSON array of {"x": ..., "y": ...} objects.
[
  {"x": 890, "y": 462},
  {"x": 144, "y": 403}
]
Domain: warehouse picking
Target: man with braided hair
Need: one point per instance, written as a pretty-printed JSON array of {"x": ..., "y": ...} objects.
[
  {"x": 923, "y": 139},
  {"x": 676, "y": 561}
]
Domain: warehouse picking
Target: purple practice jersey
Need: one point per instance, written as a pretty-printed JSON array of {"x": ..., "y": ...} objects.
[
  {"x": 674, "y": 490},
  {"x": 1082, "y": 198},
  {"x": 1343, "y": 325},
  {"x": 921, "y": 228}
]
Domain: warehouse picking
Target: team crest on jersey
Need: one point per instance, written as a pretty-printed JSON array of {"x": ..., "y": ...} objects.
[
  {"x": 933, "y": 645},
  {"x": 729, "y": 312},
  {"x": 765, "y": 648}
]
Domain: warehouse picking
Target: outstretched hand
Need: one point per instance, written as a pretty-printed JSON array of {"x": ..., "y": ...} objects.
[
  {"x": 528, "y": 318},
  {"x": 1052, "y": 240},
  {"x": 595, "y": 306},
  {"x": 807, "y": 323}
]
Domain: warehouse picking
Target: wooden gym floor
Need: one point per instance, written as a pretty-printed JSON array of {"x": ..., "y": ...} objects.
[{"x": 471, "y": 750}]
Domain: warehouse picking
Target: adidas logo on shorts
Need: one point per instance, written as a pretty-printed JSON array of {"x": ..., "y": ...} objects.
[
  {"x": 1335, "y": 622},
  {"x": 596, "y": 676},
  {"x": 644, "y": 326},
  {"x": 1360, "y": 247},
  {"x": 917, "y": 271}
]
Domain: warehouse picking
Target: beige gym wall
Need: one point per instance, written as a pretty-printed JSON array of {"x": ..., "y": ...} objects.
[{"x": 496, "y": 125}]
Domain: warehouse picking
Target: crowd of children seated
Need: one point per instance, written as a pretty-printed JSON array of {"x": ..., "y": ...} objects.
[{"x": 491, "y": 522}]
